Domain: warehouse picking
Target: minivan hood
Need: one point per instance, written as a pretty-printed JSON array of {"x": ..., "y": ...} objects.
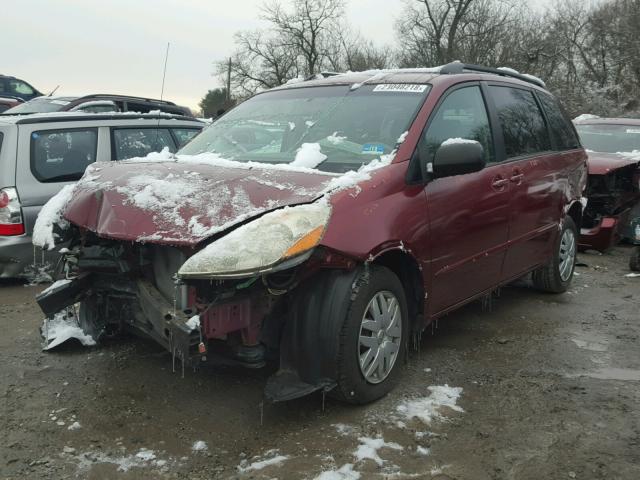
[
  {"x": 182, "y": 203},
  {"x": 601, "y": 163}
]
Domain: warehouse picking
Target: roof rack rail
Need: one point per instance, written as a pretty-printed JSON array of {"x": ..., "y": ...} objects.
[
  {"x": 459, "y": 67},
  {"x": 125, "y": 97}
]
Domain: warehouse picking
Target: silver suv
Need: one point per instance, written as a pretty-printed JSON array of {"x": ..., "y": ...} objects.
[{"x": 41, "y": 153}]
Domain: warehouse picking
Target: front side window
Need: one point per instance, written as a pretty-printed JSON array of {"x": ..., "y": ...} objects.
[
  {"x": 610, "y": 138},
  {"x": 562, "y": 131},
  {"x": 523, "y": 126},
  {"x": 343, "y": 126},
  {"x": 139, "y": 142},
  {"x": 62, "y": 155},
  {"x": 461, "y": 115}
]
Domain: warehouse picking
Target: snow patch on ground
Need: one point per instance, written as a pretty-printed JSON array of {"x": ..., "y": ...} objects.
[
  {"x": 429, "y": 408},
  {"x": 51, "y": 216},
  {"x": 143, "y": 458},
  {"x": 62, "y": 327},
  {"x": 344, "y": 429},
  {"x": 270, "y": 458},
  {"x": 368, "y": 449},
  {"x": 345, "y": 472},
  {"x": 309, "y": 155},
  {"x": 74, "y": 426},
  {"x": 199, "y": 446}
]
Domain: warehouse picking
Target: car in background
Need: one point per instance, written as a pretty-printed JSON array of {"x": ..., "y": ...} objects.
[
  {"x": 98, "y": 103},
  {"x": 330, "y": 221},
  {"x": 7, "y": 102},
  {"x": 14, "y": 87},
  {"x": 613, "y": 187},
  {"x": 40, "y": 154}
]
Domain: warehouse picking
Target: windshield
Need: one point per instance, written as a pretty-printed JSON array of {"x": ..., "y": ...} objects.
[
  {"x": 39, "y": 105},
  {"x": 610, "y": 138},
  {"x": 336, "y": 128}
]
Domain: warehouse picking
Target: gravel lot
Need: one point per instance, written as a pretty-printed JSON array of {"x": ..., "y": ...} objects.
[{"x": 550, "y": 390}]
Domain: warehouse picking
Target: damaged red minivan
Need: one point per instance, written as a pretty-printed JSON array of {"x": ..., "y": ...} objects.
[{"x": 324, "y": 224}]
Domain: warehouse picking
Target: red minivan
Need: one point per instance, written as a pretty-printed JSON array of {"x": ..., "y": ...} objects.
[{"x": 321, "y": 225}]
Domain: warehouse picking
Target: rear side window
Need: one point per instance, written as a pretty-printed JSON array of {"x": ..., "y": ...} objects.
[
  {"x": 62, "y": 155},
  {"x": 183, "y": 135},
  {"x": 20, "y": 88},
  {"x": 461, "y": 115},
  {"x": 523, "y": 126},
  {"x": 139, "y": 142},
  {"x": 562, "y": 132}
]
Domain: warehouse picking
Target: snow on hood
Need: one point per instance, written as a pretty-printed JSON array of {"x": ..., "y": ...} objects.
[{"x": 183, "y": 199}]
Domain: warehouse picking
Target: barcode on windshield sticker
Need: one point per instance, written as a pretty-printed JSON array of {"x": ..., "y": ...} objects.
[
  {"x": 633, "y": 130},
  {"x": 400, "y": 87}
]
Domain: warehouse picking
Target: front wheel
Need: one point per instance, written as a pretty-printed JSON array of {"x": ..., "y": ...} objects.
[
  {"x": 373, "y": 338},
  {"x": 556, "y": 275}
]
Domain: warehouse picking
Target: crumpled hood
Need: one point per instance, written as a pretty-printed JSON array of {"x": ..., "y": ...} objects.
[
  {"x": 601, "y": 163},
  {"x": 182, "y": 203}
]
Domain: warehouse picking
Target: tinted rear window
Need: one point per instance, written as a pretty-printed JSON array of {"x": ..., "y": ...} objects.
[
  {"x": 62, "y": 155},
  {"x": 562, "y": 131},
  {"x": 139, "y": 142},
  {"x": 523, "y": 126}
]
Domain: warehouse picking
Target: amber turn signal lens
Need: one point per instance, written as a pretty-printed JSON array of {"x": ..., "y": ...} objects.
[{"x": 307, "y": 242}]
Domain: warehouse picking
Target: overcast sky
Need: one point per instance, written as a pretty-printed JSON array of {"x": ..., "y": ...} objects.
[{"x": 118, "y": 46}]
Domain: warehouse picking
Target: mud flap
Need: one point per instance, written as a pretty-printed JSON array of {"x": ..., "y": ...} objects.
[{"x": 309, "y": 346}]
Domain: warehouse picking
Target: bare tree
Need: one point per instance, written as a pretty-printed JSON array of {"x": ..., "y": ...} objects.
[{"x": 305, "y": 29}]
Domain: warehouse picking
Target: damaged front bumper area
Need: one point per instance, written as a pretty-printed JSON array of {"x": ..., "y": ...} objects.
[
  {"x": 613, "y": 203},
  {"x": 270, "y": 317}
]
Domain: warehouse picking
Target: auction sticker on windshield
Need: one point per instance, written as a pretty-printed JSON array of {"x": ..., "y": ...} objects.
[{"x": 400, "y": 87}]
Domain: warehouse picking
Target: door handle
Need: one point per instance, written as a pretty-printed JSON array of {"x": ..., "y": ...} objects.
[
  {"x": 516, "y": 177},
  {"x": 499, "y": 183}
]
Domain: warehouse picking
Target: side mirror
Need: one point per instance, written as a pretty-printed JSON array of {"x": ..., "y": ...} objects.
[{"x": 457, "y": 156}]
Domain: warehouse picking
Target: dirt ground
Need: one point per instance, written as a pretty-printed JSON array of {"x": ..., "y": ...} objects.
[{"x": 550, "y": 390}]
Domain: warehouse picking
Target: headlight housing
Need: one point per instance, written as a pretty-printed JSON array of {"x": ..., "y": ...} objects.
[{"x": 261, "y": 245}]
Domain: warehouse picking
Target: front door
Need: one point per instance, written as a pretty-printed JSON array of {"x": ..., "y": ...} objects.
[{"x": 469, "y": 214}]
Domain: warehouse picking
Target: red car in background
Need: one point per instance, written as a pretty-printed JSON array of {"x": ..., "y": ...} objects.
[
  {"x": 9, "y": 102},
  {"x": 327, "y": 222},
  {"x": 613, "y": 187}
]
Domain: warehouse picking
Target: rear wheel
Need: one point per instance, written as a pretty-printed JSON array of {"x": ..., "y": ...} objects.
[
  {"x": 373, "y": 338},
  {"x": 556, "y": 275}
]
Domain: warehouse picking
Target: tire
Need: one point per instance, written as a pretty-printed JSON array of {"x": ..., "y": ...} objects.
[
  {"x": 555, "y": 276},
  {"x": 375, "y": 286},
  {"x": 634, "y": 261}
]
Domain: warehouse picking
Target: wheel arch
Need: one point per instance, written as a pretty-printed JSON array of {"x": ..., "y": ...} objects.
[{"x": 405, "y": 266}]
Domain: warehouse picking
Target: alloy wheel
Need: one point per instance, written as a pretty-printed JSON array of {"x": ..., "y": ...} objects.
[
  {"x": 567, "y": 254},
  {"x": 380, "y": 336}
]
